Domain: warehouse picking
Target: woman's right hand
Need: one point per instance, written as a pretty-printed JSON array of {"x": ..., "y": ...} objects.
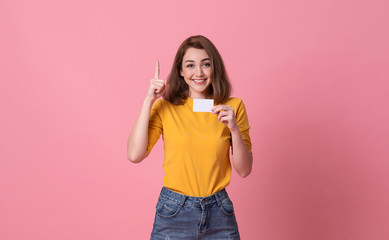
[{"x": 157, "y": 86}]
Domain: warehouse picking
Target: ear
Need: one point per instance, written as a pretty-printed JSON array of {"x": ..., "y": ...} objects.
[{"x": 181, "y": 73}]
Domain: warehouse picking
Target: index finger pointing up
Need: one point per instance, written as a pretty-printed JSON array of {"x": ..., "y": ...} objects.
[{"x": 156, "y": 75}]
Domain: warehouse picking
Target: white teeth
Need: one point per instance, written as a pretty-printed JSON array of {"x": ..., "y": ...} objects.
[{"x": 199, "y": 80}]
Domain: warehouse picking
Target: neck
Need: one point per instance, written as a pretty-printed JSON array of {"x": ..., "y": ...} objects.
[{"x": 199, "y": 95}]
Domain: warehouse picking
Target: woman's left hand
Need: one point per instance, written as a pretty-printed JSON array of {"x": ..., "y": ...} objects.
[{"x": 225, "y": 114}]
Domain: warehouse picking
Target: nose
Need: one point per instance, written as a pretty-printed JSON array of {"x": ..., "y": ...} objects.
[{"x": 199, "y": 71}]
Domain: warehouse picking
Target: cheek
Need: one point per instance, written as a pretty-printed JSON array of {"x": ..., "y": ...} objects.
[
  {"x": 209, "y": 74},
  {"x": 208, "y": 71},
  {"x": 187, "y": 74}
]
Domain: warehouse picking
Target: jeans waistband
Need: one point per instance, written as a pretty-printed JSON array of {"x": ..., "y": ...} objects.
[{"x": 217, "y": 197}]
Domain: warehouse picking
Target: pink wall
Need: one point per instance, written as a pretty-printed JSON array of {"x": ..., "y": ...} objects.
[{"x": 313, "y": 74}]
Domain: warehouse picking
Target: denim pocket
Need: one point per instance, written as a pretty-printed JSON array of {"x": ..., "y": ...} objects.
[
  {"x": 167, "y": 208},
  {"x": 227, "y": 207}
]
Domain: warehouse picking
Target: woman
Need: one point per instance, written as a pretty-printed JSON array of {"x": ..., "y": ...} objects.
[{"x": 193, "y": 203}]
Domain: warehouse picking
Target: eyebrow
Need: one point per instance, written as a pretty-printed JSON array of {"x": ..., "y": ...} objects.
[{"x": 205, "y": 59}]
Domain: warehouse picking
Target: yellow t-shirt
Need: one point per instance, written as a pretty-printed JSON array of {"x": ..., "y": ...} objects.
[{"x": 196, "y": 146}]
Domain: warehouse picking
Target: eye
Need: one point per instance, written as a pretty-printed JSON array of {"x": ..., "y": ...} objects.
[
  {"x": 207, "y": 65},
  {"x": 190, "y": 66}
]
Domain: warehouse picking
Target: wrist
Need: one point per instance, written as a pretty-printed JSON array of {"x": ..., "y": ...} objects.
[
  {"x": 148, "y": 100},
  {"x": 235, "y": 129}
]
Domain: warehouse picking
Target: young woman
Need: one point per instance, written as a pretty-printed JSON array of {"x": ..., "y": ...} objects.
[{"x": 193, "y": 203}]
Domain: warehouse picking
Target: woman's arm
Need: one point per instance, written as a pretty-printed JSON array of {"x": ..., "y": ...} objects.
[
  {"x": 138, "y": 139},
  {"x": 242, "y": 159}
]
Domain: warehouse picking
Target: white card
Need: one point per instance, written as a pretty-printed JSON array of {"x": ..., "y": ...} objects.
[{"x": 202, "y": 105}]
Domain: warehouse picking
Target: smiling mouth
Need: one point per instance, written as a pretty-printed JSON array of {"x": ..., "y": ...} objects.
[{"x": 199, "y": 81}]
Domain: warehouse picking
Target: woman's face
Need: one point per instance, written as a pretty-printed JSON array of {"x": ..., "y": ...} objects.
[{"x": 197, "y": 71}]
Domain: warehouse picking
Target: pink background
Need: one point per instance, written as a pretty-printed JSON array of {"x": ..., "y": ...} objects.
[{"x": 313, "y": 75}]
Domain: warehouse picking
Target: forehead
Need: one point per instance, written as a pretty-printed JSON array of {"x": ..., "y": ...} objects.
[{"x": 195, "y": 54}]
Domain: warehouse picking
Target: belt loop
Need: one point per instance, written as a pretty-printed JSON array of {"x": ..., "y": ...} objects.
[
  {"x": 219, "y": 202},
  {"x": 183, "y": 201}
]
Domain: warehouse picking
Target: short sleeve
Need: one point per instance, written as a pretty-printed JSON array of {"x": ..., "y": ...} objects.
[
  {"x": 243, "y": 124},
  {"x": 155, "y": 128}
]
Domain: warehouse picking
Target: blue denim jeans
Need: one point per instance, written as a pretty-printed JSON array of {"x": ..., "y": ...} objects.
[{"x": 181, "y": 217}]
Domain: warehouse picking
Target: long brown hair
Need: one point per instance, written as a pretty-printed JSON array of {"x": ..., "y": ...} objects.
[{"x": 178, "y": 90}]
